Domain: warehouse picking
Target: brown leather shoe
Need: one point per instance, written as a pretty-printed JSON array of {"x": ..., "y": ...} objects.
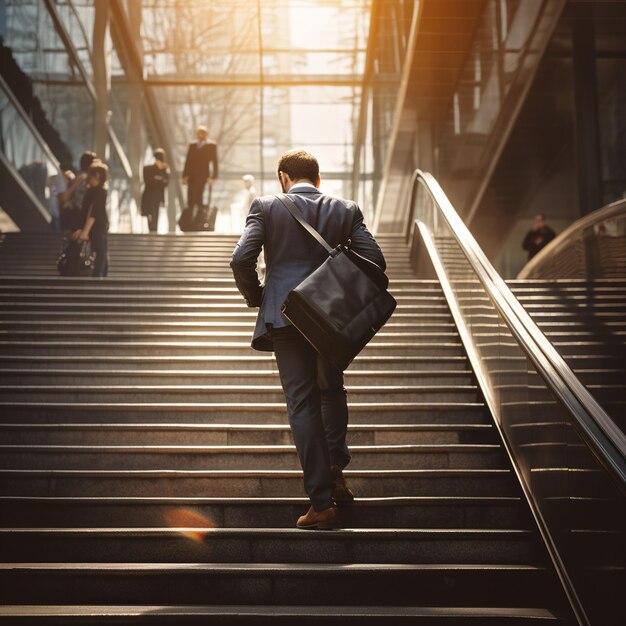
[
  {"x": 341, "y": 492},
  {"x": 321, "y": 520}
]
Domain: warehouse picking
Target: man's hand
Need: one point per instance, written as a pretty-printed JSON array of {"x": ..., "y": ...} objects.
[
  {"x": 210, "y": 182},
  {"x": 80, "y": 235},
  {"x": 185, "y": 181}
]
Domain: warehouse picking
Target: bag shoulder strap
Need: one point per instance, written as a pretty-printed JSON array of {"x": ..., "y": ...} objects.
[{"x": 290, "y": 205}]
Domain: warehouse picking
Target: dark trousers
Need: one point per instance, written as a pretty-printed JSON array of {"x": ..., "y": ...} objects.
[
  {"x": 152, "y": 213},
  {"x": 317, "y": 407},
  {"x": 100, "y": 245},
  {"x": 195, "y": 192}
]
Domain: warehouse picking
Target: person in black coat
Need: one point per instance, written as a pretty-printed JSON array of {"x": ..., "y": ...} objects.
[
  {"x": 316, "y": 398},
  {"x": 201, "y": 157},
  {"x": 155, "y": 177},
  {"x": 94, "y": 217},
  {"x": 538, "y": 237}
]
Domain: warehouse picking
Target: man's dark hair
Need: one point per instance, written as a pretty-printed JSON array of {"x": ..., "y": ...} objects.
[
  {"x": 298, "y": 164},
  {"x": 99, "y": 169},
  {"x": 86, "y": 159}
]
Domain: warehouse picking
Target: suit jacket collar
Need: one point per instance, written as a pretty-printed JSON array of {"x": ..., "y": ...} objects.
[{"x": 304, "y": 188}]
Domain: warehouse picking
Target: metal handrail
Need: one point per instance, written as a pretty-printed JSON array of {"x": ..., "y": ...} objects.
[
  {"x": 596, "y": 428},
  {"x": 615, "y": 209}
]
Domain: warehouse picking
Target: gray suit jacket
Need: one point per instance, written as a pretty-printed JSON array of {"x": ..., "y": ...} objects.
[{"x": 291, "y": 254}]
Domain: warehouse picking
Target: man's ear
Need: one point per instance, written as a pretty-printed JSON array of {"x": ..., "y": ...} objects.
[
  {"x": 318, "y": 181},
  {"x": 284, "y": 178}
]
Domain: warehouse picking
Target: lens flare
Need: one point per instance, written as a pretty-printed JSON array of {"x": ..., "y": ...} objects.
[{"x": 190, "y": 523}]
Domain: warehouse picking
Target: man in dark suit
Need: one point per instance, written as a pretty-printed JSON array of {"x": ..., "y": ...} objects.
[
  {"x": 538, "y": 237},
  {"x": 155, "y": 178},
  {"x": 316, "y": 397},
  {"x": 200, "y": 155}
]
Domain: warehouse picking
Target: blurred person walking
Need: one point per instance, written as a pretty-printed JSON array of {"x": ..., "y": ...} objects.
[
  {"x": 156, "y": 178},
  {"x": 72, "y": 198},
  {"x": 200, "y": 168},
  {"x": 538, "y": 237},
  {"x": 241, "y": 204},
  {"x": 314, "y": 390},
  {"x": 94, "y": 218},
  {"x": 58, "y": 184}
]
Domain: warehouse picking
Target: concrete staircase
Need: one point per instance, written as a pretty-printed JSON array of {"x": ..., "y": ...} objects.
[
  {"x": 586, "y": 322},
  {"x": 130, "y": 404}
]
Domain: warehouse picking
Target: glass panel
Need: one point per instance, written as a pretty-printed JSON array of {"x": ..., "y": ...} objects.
[
  {"x": 502, "y": 59},
  {"x": 78, "y": 18},
  {"x": 24, "y": 151}
]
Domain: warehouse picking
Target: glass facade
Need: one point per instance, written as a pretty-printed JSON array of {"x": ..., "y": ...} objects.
[{"x": 264, "y": 77}]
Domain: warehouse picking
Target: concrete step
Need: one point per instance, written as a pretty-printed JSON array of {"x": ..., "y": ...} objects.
[
  {"x": 177, "y": 300},
  {"x": 254, "y": 545},
  {"x": 88, "y": 317},
  {"x": 275, "y": 512},
  {"x": 593, "y": 348},
  {"x": 573, "y": 298},
  {"x": 59, "y": 376},
  {"x": 67, "y": 284},
  {"x": 128, "y": 271},
  {"x": 562, "y": 283},
  {"x": 245, "y": 457},
  {"x": 242, "y": 434},
  {"x": 227, "y": 393},
  {"x": 258, "y": 360},
  {"x": 240, "y": 413},
  {"x": 586, "y": 376},
  {"x": 200, "y": 317},
  {"x": 277, "y": 583},
  {"x": 62, "y": 615},
  {"x": 158, "y": 282},
  {"x": 244, "y": 334},
  {"x": 575, "y": 361},
  {"x": 121, "y": 268},
  {"x": 590, "y": 483},
  {"x": 581, "y": 324},
  {"x": 247, "y": 483},
  {"x": 428, "y": 311},
  {"x": 580, "y": 308},
  {"x": 545, "y": 410},
  {"x": 180, "y": 328},
  {"x": 581, "y": 333},
  {"x": 203, "y": 348}
]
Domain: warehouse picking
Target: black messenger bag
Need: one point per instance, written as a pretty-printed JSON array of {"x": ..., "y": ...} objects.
[{"x": 342, "y": 304}]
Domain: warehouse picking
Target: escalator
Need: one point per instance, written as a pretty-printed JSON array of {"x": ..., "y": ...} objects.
[{"x": 26, "y": 163}]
